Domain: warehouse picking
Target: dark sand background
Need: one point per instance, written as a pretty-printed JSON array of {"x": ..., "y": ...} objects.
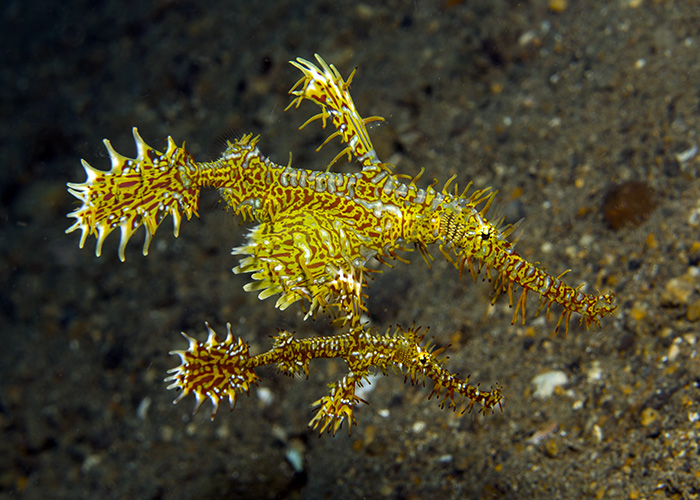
[{"x": 552, "y": 106}]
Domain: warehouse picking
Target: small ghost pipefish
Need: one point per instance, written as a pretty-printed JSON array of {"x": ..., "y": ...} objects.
[{"x": 315, "y": 233}]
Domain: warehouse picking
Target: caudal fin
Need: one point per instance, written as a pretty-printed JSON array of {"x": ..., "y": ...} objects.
[{"x": 136, "y": 192}]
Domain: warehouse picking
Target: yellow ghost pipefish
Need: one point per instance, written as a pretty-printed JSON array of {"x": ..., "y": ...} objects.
[{"x": 316, "y": 232}]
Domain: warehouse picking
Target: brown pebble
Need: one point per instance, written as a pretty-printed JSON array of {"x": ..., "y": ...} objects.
[
  {"x": 679, "y": 290},
  {"x": 551, "y": 448},
  {"x": 649, "y": 416},
  {"x": 628, "y": 204},
  {"x": 693, "y": 313},
  {"x": 557, "y": 6}
]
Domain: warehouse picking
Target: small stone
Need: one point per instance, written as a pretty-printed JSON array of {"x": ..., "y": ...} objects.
[
  {"x": 638, "y": 311},
  {"x": 551, "y": 448},
  {"x": 628, "y": 204},
  {"x": 594, "y": 372},
  {"x": 673, "y": 352},
  {"x": 558, "y": 6},
  {"x": 90, "y": 462},
  {"x": 693, "y": 313},
  {"x": 369, "y": 434},
  {"x": 142, "y": 410},
  {"x": 597, "y": 433},
  {"x": 418, "y": 426},
  {"x": 295, "y": 454},
  {"x": 545, "y": 383},
  {"x": 649, "y": 416},
  {"x": 679, "y": 289},
  {"x": 651, "y": 241},
  {"x": 265, "y": 396}
]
